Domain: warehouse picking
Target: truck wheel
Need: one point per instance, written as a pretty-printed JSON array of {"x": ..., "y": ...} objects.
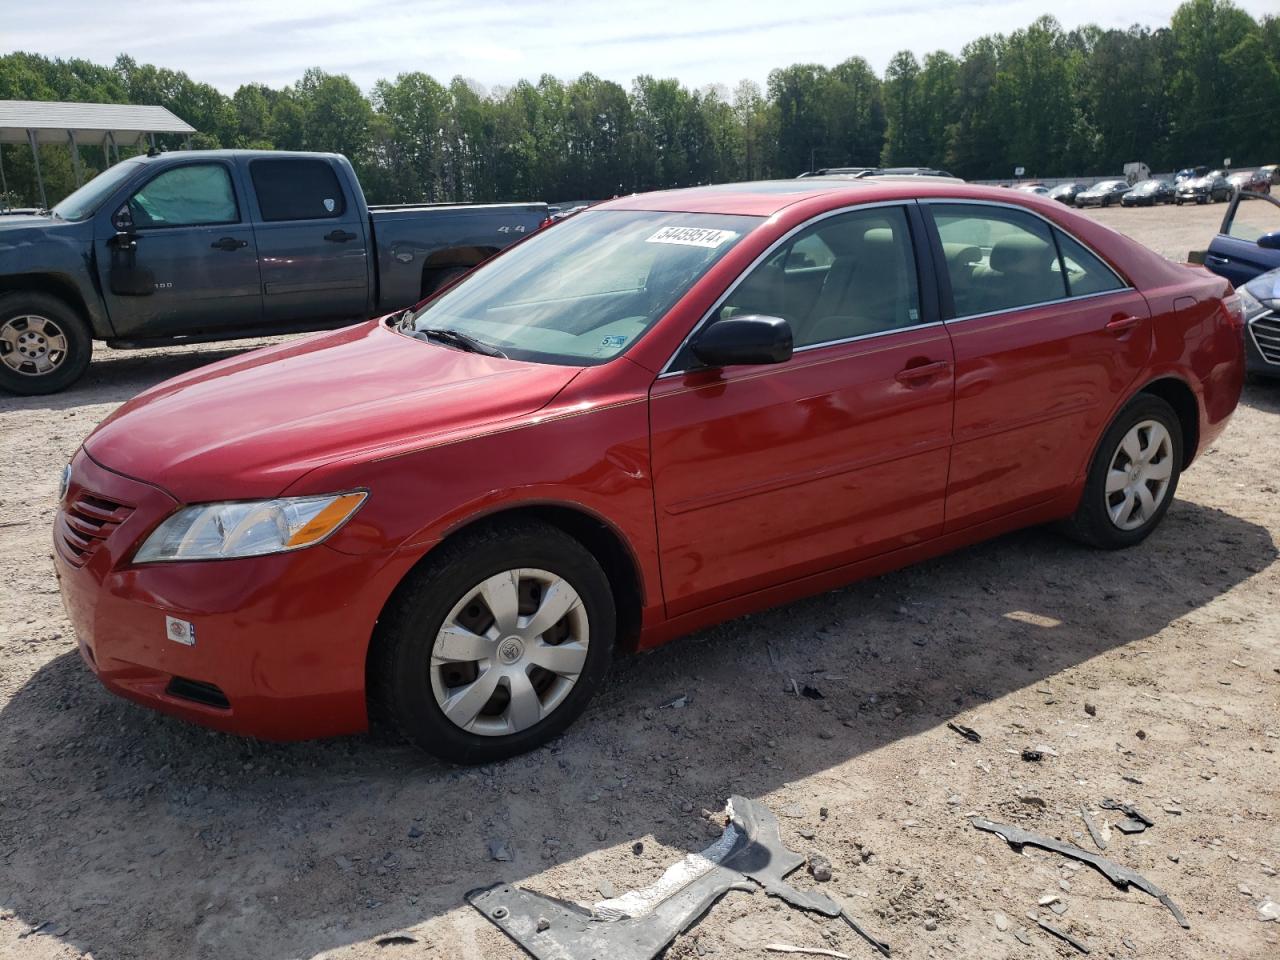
[{"x": 44, "y": 344}]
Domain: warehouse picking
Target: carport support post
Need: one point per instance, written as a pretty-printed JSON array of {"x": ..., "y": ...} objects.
[
  {"x": 75, "y": 157},
  {"x": 111, "y": 138},
  {"x": 35, "y": 156}
]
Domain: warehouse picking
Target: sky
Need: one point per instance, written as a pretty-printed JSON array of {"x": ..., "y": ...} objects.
[{"x": 496, "y": 42}]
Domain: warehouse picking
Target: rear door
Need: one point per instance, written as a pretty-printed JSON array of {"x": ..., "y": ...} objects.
[
  {"x": 191, "y": 230},
  {"x": 764, "y": 474},
  {"x": 312, "y": 242},
  {"x": 1234, "y": 252},
  {"x": 1047, "y": 339}
]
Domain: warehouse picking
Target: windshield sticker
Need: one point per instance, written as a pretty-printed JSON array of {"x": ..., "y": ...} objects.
[
  {"x": 692, "y": 236},
  {"x": 612, "y": 342}
]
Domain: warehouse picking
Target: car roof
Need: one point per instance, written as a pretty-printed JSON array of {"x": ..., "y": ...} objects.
[{"x": 764, "y": 198}]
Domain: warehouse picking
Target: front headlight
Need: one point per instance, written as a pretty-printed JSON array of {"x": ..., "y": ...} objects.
[
  {"x": 248, "y": 528},
  {"x": 1253, "y": 307}
]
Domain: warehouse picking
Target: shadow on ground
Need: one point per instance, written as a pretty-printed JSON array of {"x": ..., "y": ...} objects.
[{"x": 139, "y": 836}]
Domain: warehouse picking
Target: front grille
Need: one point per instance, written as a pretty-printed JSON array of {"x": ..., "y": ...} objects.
[
  {"x": 85, "y": 523},
  {"x": 1265, "y": 331}
]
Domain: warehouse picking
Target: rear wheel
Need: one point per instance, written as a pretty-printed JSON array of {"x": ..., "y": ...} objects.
[
  {"x": 1133, "y": 477},
  {"x": 44, "y": 344},
  {"x": 495, "y": 645}
]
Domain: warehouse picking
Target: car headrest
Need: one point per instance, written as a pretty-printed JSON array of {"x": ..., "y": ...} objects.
[
  {"x": 1021, "y": 253},
  {"x": 961, "y": 254}
]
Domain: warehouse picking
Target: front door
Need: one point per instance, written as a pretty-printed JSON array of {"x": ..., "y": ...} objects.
[
  {"x": 764, "y": 474},
  {"x": 311, "y": 237},
  {"x": 1234, "y": 253},
  {"x": 191, "y": 233},
  {"x": 1047, "y": 339}
]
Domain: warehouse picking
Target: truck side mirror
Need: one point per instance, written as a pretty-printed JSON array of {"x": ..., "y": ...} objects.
[{"x": 122, "y": 220}]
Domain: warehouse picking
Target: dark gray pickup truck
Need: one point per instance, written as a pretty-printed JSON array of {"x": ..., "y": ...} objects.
[{"x": 213, "y": 245}]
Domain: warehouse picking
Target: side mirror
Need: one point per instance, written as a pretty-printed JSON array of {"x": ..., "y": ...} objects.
[
  {"x": 122, "y": 220},
  {"x": 752, "y": 339},
  {"x": 1270, "y": 241}
]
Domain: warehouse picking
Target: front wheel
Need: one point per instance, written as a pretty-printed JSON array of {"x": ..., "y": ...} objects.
[
  {"x": 44, "y": 344},
  {"x": 1133, "y": 477},
  {"x": 493, "y": 646}
]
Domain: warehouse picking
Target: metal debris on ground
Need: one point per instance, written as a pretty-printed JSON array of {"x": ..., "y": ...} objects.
[
  {"x": 812, "y": 951},
  {"x": 1092, "y": 827},
  {"x": 1134, "y": 822},
  {"x": 1120, "y": 875},
  {"x": 968, "y": 733},
  {"x": 1062, "y": 934},
  {"x": 1032, "y": 756},
  {"x": 640, "y": 924}
]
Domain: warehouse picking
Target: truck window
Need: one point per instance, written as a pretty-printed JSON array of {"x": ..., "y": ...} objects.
[
  {"x": 296, "y": 189},
  {"x": 196, "y": 195}
]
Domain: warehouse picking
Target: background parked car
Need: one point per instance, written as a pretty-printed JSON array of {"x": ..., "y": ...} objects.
[
  {"x": 1103, "y": 194},
  {"x": 1248, "y": 242},
  {"x": 1066, "y": 193},
  {"x": 1148, "y": 193},
  {"x": 1255, "y": 181},
  {"x": 1040, "y": 190},
  {"x": 1210, "y": 188}
]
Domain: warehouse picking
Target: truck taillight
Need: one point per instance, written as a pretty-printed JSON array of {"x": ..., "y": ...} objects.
[{"x": 1234, "y": 308}]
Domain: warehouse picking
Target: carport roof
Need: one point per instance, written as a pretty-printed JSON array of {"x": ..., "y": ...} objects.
[{"x": 90, "y": 122}]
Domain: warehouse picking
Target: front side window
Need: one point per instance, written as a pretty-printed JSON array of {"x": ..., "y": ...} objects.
[
  {"x": 997, "y": 259},
  {"x": 190, "y": 196},
  {"x": 1253, "y": 219},
  {"x": 584, "y": 290},
  {"x": 296, "y": 190},
  {"x": 846, "y": 276}
]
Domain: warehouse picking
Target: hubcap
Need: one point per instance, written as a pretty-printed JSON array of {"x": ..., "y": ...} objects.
[
  {"x": 32, "y": 345},
  {"x": 509, "y": 652},
  {"x": 1138, "y": 479}
]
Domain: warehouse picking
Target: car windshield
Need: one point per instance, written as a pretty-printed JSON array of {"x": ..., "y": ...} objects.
[
  {"x": 1147, "y": 186},
  {"x": 1110, "y": 185},
  {"x": 584, "y": 290},
  {"x": 85, "y": 201}
]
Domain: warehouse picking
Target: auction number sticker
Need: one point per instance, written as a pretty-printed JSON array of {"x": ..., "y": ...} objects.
[{"x": 692, "y": 236}]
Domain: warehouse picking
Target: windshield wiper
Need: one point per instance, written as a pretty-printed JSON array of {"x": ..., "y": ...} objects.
[{"x": 462, "y": 341}]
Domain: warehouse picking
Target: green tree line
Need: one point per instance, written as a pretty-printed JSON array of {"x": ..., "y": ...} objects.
[{"x": 1057, "y": 102}]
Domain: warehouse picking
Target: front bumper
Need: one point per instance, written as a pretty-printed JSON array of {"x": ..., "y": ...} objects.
[
  {"x": 280, "y": 641},
  {"x": 1262, "y": 344}
]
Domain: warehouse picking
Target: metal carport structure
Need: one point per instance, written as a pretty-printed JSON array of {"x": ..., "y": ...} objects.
[{"x": 74, "y": 125}]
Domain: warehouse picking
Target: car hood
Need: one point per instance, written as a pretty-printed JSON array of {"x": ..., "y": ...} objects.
[
  {"x": 1266, "y": 288},
  {"x": 252, "y": 425}
]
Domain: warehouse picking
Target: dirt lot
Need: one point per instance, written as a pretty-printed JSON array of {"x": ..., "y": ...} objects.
[{"x": 1151, "y": 676}]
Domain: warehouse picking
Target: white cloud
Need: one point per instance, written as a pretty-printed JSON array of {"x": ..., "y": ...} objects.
[{"x": 496, "y": 42}]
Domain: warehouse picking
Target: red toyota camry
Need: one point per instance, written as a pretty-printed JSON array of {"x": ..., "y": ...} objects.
[{"x": 668, "y": 410}]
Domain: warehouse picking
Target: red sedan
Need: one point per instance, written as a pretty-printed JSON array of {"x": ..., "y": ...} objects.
[{"x": 666, "y": 411}]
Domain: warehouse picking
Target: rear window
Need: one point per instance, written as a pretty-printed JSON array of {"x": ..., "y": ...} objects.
[{"x": 298, "y": 189}]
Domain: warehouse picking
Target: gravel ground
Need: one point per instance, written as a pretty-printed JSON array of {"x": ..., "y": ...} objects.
[{"x": 1151, "y": 676}]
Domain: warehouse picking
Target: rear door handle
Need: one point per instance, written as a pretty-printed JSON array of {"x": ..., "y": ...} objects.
[
  {"x": 229, "y": 243},
  {"x": 339, "y": 236},
  {"x": 925, "y": 371},
  {"x": 1122, "y": 324},
  {"x": 1214, "y": 258}
]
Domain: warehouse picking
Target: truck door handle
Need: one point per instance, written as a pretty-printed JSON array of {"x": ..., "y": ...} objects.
[
  {"x": 1122, "y": 324},
  {"x": 925, "y": 371},
  {"x": 228, "y": 243},
  {"x": 339, "y": 236}
]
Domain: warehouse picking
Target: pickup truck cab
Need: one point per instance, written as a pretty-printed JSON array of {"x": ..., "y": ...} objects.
[{"x": 214, "y": 245}]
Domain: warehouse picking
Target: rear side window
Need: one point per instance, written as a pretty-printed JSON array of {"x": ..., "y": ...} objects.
[
  {"x": 296, "y": 189},
  {"x": 997, "y": 259},
  {"x": 189, "y": 196},
  {"x": 1084, "y": 271}
]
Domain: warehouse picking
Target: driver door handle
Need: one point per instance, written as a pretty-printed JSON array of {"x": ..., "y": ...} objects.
[
  {"x": 229, "y": 243},
  {"x": 339, "y": 236},
  {"x": 925, "y": 371}
]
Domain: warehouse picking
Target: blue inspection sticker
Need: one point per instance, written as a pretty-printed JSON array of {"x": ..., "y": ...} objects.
[{"x": 613, "y": 342}]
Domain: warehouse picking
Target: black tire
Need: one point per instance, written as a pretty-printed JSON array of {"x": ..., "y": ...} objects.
[
  {"x": 1091, "y": 523},
  {"x": 59, "y": 316},
  {"x": 400, "y": 687}
]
